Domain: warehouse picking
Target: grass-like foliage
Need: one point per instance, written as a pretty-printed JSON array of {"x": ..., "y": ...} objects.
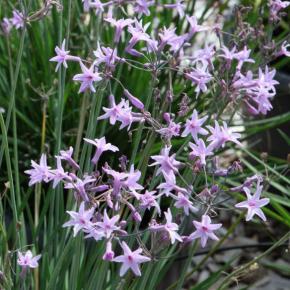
[{"x": 129, "y": 132}]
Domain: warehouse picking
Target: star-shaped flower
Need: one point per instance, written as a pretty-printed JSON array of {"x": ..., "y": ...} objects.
[
  {"x": 254, "y": 203},
  {"x": 130, "y": 260}
]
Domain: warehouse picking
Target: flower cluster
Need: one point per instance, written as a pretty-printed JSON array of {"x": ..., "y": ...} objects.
[
  {"x": 112, "y": 202},
  {"x": 17, "y": 21}
]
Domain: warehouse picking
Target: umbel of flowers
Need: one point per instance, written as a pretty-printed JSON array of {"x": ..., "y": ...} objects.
[{"x": 103, "y": 194}]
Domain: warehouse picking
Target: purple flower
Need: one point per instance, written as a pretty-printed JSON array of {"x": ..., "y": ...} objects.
[
  {"x": 98, "y": 6},
  {"x": 167, "y": 163},
  {"x": 222, "y": 134},
  {"x": 26, "y": 260},
  {"x": 119, "y": 24},
  {"x": 148, "y": 200},
  {"x": 131, "y": 260},
  {"x": 204, "y": 230},
  {"x": 275, "y": 7},
  {"x": 106, "y": 55},
  {"x": 40, "y": 172},
  {"x": 142, "y": 7},
  {"x": 171, "y": 228},
  {"x": 86, "y": 5},
  {"x": 79, "y": 187},
  {"x": 178, "y": 6},
  {"x": 199, "y": 77},
  {"x": 6, "y": 26},
  {"x": 101, "y": 146},
  {"x": 254, "y": 203},
  {"x": 87, "y": 78},
  {"x": 63, "y": 56},
  {"x": 184, "y": 202},
  {"x": 107, "y": 226},
  {"x": 58, "y": 174},
  {"x": 18, "y": 19},
  {"x": 67, "y": 156},
  {"x": 200, "y": 150},
  {"x": 170, "y": 185},
  {"x": 172, "y": 130},
  {"x": 193, "y": 126},
  {"x": 80, "y": 220},
  {"x": 194, "y": 27},
  {"x": 131, "y": 181},
  {"x": 118, "y": 179},
  {"x": 242, "y": 57}
]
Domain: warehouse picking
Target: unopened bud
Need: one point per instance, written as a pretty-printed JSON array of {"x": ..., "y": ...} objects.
[{"x": 134, "y": 101}]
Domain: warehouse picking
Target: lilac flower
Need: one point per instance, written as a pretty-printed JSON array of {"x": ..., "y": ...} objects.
[
  {"x": 98, "y": 6},
  {"x": 204, "y": 230},
  {"x": 205, "y": 56},
  {"x": 228, "y": 55},
  {"x": 131, "y": 181},
  {"x": 171, "y": 228},
  {"x": 243, "y": 56},
  {"x": 109, "y": 254},
  {"x": 67, "y": 156},
  {"x": 119, "y": 24},
  {"x": 200, "y": 150},
  {"x": 80, "y": 220},
  {"x": 200, "y": 77},
  {"x": 254, "y": 203},
  {"x": 275, "y": 7},
  {"x": 114, "y": 111},
  {"x": 87, "y": 78},
  {"x": 167, "y": 35},
  {"x": 138, "y": 32},
  {"x": 108, "y": 225},
  {"x": 148, "y": 200},
  {"x": 193, "y": 126},
  {"x": 247, "y": 183},
  {"x": 18, "y": 19},
  {"x": 40, "y": 172},
  {"x": 26, "y": 260},
  {"x": 79, "y": 187},
  {"x": 170, "y": 185},
  {"x": 58, "y": 174},
  {"x": 118, "y": 179},
  {"x": 142, "y": 7},
  {"x": 6, "y": 26},
  {"x": 178, "y": 6},
  {"x": 131, "y": 260},
  {"x": 167, "y": 163},
  {"x": 194, "y": 27},
  {"x": 172, "y": 130},
  {"x": 63, "y": 56},
  {"x": 106, "y": 55},
  {"x": 184, "y": 202},
  {"x": 101, "y": 146},
  {"x": 86, "y": 5},
  {"x": 222, "y": 134}
]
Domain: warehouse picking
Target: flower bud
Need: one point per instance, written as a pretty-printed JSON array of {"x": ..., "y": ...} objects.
[
  {"x": 134, "y": 101},
  {"x": 109, "y": 254}
]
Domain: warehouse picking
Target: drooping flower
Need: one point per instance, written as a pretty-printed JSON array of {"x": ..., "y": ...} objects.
[
  {"x": 119, "y": 25},
  {"x": 63, "y": 56},
  {"x": 6, "y": 26},
  {"x": 171, "y": 228},
  {"x": 142, "y": 7},
  {"x": 254, "y": 203},
  {"x": 80, "y": 220},
  {"x": 184, "y": 203},
  {"x": 67, "y": 156},
  {"x": 40, "y": 172},
  {"x": 167, "y": 163},
  {"x": 118, "y": 179},
  {"x": 109, "y": 254},
  {"x": 87, "y": 78},
  {"x": 130, "y": 260},
  {"x": 193, "y": 126},
  {"x": 204, "y": 230},
  {"x": 101, "y": 146}
]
